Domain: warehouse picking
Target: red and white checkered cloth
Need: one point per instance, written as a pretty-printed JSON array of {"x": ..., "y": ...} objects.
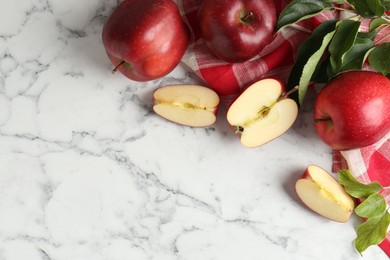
[
  {"x": 371, "y": 163},
  {"x": 276, "y": 60}
]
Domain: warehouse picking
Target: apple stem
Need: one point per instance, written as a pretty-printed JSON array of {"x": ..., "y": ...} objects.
[
  {"x": 291, "y": 91},
  {"x": 117, "y": 66},
  {"x": 325, "y": 119},
  {"x": 247, "y": 18}
]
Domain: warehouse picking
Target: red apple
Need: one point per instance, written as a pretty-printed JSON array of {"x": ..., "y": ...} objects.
[
  {"x": 353, "y": 110},
  {"x": 237, "y": 30},
  {"x": 262, "y": 112},
  {"x": 146, "y": 39},
  {"x": 320, "y": 192}
]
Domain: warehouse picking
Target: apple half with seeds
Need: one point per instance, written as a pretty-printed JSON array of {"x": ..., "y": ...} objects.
[
  {"x": 262, "y": 112},
  {"x": 320, "y": 192},
  {"x": 189, "y": 105}
]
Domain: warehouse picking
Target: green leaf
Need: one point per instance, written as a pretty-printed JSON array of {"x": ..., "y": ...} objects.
[
  {"x": 343, "y": 40},
  {"x": 386, "y": 4},
  {"x": 298, "y": 10},
  {"x": 373, "y": 206},
  {"x": 321, "y": 74},
  {"x": 367, "y": 35},
  {"x": 306, "y": 50},
  {"x": 310, "y": 66},
  {"x": 375, "y": 23},
  {"x": 379, "y": 58},
  {"x": 355, "y": 57},
  {"x": 372, "y": 232},
  {"x": 355, "y": 188},
  {"x": 368, "y": 9}
]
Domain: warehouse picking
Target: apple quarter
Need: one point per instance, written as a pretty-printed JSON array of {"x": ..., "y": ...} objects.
[
  {"x": 320, "y": 192},
  {"x": 190, "y": 105}
]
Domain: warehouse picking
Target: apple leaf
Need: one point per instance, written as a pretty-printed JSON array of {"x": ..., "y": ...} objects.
[
  {"x": 375, "y": 23},
  {"x": 379, "y": 58},
  {"x": 298, "y": 10},
  {"x": 372, "y": 232},
  {"x": 343, "y": 40},
  {"x": 338, "y": 2},
  {"x": 373, "y": 206},
  {"x": 323, "y": 71},
  {"x": 305, "y": 51},
  {"x": 368, "y": 9},
  {"x": 355, "y": 57},
  {"x": 386, "y": 4},
  {"x": 311, "y": 65},
  {"x": 355, "y": 188}
]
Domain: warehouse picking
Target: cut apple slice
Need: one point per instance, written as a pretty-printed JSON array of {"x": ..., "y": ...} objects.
[
  {"x": 320, "y": 192},
  {"x": 262, "y": 113},
  {"x": 190, "y": 105}
]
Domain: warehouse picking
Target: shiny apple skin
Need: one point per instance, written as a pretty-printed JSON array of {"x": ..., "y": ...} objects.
[
  {"x": 149, "y": 35},
  {"x": 227, "y": 36},
  {"x": 358, "y": 106}
]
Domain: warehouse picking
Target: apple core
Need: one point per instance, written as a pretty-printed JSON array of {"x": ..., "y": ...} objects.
[{"x": 263, "y": 112}]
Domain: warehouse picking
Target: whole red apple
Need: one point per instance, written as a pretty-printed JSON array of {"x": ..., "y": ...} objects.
[
  {"x": 145, "y": 39},
  {"x": 353, "y": 110},
  {"x": 237, "y": 30}
]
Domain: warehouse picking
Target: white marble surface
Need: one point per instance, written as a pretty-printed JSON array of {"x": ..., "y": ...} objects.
[{"x": 89, "y": 172}]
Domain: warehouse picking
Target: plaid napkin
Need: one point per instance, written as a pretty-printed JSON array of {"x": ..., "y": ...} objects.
[{"x": 276, "y": 60}]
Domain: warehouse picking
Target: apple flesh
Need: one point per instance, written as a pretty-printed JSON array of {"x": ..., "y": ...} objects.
[
  {"x": 321, "y": 193},
  {"x": 190, "y": 105},
  {"x": 262, "y": 112},
  {"x": 145, "y": 40},
  {"x": 237, "y": 30},
  {"x": 353, "y": 110}
]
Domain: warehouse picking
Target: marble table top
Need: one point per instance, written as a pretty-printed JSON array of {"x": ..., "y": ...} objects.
[{"x": 89, "y": 172}]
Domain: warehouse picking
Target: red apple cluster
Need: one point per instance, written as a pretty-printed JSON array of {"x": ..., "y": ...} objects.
[{"x": 146, "y": 40}]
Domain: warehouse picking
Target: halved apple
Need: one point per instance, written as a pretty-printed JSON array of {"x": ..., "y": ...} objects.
[
  {"x": 190, "y": 105},
  {"x": 262, "y": 112},
  {"x": 320, "y": 192}
]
